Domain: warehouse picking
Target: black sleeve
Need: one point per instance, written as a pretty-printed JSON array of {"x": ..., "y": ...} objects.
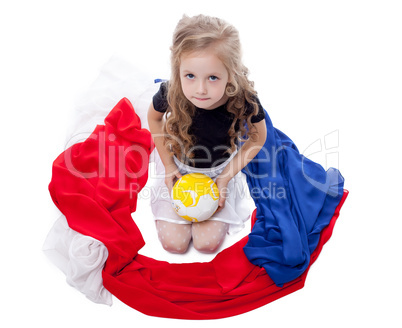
[
  {"x": 261, "y": 113},
  {"x": 160, "y": 98}
]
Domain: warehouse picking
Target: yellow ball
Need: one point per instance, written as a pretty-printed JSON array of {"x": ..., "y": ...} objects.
[{"x": 195, "y": 197}]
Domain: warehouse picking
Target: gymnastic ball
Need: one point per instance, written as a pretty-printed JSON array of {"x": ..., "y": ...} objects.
[{"x": 195, "y": 197}]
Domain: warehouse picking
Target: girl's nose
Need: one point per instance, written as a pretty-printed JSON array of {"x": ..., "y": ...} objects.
[{"x": 201, "y": 88}]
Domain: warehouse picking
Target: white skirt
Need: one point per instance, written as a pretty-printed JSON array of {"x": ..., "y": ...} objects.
[{"x": 238, "y": 206}]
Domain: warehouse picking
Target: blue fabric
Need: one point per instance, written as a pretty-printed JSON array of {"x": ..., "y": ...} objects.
[{"x": 295, "y": 199}]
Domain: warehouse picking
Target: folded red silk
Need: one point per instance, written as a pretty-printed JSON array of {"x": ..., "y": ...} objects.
[{"x": 95, "y": 185}]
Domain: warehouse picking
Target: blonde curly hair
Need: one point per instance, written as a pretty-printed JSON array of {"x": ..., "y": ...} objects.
[{"x": 195, "y": 34}]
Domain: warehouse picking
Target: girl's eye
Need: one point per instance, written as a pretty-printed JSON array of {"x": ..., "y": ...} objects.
[
  {"x": 213, "y": 78},
  {"x": 190, "y": 76}
]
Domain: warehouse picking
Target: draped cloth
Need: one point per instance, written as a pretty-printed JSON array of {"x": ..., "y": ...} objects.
[
  {"x": 95, "y": 184},
  {"x": 295, "y": 199}
]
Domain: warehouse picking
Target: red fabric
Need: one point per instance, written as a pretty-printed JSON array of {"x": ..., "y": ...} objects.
[{"x": 95, "y": 184}]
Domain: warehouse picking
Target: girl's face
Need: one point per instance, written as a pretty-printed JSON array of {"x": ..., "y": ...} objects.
[{"x": 203, "y": 79}]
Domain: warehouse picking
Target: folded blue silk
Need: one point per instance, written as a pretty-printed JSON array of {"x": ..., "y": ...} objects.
[{"x": 295, "y": 199}]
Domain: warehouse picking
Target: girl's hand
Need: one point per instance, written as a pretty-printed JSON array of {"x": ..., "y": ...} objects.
[
  {"x": 172, "y": 174},
  {"x": 222, "y": 184}
]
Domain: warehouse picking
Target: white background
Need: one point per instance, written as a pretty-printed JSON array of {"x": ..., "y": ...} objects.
[{"x": 319, "y": 67}]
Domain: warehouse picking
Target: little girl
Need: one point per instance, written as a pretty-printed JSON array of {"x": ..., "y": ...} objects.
[{"x": 197, "y": 119}]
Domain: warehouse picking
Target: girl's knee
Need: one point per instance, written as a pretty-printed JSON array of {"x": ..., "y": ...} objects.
[
  {"x": 174, "y": 238},
  {"x": 206, "y": 246},
  {"x": 173, "y": 247},
  {"x": 208, "y": 236}
]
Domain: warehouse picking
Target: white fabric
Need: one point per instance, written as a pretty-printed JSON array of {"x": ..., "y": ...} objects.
[
  {"x": 81, "y": 258},
  {"x": 238, "y": 206},
  {"x": 117, "y": 79}
]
